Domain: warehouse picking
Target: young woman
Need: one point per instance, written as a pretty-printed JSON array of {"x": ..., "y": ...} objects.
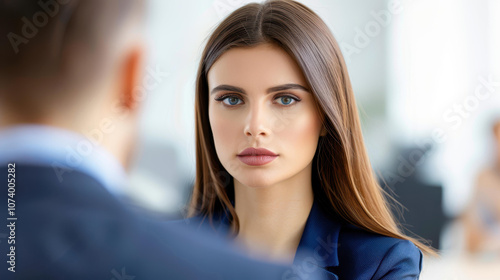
[{"x": 281, "y": 164}]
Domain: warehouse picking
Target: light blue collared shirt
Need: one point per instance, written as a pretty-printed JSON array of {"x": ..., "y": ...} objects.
[{"x": 65, "y": 151}]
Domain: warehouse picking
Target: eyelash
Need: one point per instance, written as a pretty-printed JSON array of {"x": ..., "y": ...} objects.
[{"x": 225, "y": 96}]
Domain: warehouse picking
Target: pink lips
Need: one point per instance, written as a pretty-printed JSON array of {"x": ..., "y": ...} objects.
[{"x": 256, "y": 157}]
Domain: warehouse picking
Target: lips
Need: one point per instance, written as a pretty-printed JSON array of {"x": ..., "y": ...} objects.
[
  {"x": 256, "y": 156},
  {"x": 256, "y": 152}
]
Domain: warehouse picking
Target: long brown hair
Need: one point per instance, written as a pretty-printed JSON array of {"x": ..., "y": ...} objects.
[{"x": 343, "y": 180}]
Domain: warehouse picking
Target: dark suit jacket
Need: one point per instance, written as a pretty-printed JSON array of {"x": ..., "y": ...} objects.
[
  {"x": 336, "y": 249},
  {"x": 75, "y": 229}
]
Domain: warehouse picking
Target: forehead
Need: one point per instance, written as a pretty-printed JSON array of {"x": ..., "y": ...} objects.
[{"x": 264, "y": 65}]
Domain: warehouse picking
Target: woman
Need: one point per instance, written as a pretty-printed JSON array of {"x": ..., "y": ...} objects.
[
  {"x": 481, "y": 219},
  {"x": 281, "y": 164}
]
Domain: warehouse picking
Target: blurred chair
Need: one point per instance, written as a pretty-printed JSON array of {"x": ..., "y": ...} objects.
[{"x": 421, "y": 214}]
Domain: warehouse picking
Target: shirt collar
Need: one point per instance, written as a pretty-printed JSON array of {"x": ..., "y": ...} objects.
[{"x": 65, "y": 151}]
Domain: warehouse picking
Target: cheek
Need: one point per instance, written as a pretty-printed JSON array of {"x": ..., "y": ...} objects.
[
  {"x": 223, "y": 130},
  {"x": 303, "y": 134}
]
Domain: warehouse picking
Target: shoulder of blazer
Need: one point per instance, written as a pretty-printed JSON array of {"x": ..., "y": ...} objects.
[
  {"x": 350, "y": 252},
  {"x": 367, "y": 255}
]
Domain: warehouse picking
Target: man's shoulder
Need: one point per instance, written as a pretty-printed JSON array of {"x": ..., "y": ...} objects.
[
  {"x": 76, "y": 229},
  {"x": 42, "y": 194}
]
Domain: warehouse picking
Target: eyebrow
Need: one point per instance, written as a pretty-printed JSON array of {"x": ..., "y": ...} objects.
[{"x": 269, "y": 90}]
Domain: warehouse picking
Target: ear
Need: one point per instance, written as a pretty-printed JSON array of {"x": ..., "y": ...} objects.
[{"x": 132, "y": 74}]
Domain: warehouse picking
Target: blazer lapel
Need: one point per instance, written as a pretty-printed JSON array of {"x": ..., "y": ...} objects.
[{"x": 317, "y": 250}]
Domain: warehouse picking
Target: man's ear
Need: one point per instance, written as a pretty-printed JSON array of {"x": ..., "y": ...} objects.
[{"x": 132, "y": 77}]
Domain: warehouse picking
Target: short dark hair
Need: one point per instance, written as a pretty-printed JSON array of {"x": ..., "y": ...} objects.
[{"x": 42, "y": 37}]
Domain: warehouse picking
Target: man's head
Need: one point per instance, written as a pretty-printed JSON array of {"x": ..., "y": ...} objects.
[{"x": 71, "y": 63}]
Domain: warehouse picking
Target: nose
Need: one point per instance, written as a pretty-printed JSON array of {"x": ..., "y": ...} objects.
[{"x": 257, "y": 122}]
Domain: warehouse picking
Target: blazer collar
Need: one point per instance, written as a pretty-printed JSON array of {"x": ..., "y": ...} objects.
[
  {"x": 317, "y": 250},
  {"x": 317, "y": 246},
  {"x": 319, "y": 241}
]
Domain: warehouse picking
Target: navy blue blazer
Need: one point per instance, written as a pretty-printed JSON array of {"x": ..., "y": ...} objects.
[
  {"x": 338, "y": 250},
  {"x": 75, "y": 229}
]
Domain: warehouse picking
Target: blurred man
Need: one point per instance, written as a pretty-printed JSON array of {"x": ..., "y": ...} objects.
[{"x": 70, "y": 86}]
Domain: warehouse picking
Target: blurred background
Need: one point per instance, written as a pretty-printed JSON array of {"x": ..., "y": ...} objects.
[{"x": 426, "y": 76}]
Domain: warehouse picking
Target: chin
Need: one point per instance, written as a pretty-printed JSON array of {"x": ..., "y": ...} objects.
[{"x": 256, "y": 181}]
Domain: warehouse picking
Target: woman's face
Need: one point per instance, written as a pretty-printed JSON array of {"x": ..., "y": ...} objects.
[{"x": 258, "y": 98}]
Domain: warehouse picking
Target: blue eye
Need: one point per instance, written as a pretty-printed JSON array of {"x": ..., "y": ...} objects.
[
  {"x": 286, "y": 100},
  {"x": 231, "y": 100}
]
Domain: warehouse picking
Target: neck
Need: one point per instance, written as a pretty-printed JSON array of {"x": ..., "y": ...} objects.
[
  {"x": 272, "y": 218},
  {"x": 112, "y": 136}
]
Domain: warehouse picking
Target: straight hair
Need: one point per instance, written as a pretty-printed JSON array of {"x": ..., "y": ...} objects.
[{"x": 342, "y": 177}]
